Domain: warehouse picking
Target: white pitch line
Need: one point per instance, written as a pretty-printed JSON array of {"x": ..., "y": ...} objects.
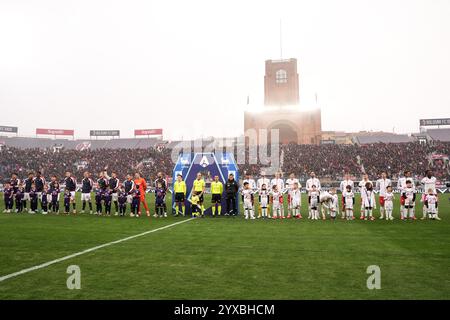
[{"x": 46, "y": 264}]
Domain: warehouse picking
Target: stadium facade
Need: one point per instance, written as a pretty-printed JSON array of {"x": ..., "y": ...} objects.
[{"x": 282, "y": 110}]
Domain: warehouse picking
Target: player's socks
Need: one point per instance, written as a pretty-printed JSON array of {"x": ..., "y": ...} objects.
[{"x": 219, "y": 209}]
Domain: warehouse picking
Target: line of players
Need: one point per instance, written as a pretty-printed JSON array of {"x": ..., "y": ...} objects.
[
  {"x": 110, "y": 191},
  {"x": 321, "y": 203}
]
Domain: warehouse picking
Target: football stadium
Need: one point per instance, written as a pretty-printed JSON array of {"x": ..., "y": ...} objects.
[{"x": 151, "y": 196}]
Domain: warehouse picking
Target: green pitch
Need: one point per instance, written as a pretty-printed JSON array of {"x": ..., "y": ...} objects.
[{"x": 226, "y": 258}]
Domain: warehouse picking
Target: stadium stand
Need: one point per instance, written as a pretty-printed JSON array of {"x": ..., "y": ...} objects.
[
  {"x": 381, "y": 137},
  {"x": 439, "y": 134},
  {"x": 328, "y": 161}
]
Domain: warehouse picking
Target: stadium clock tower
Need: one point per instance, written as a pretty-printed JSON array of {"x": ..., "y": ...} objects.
[{"x": 282, "y": 108}]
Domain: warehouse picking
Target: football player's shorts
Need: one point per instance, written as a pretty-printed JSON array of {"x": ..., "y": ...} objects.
[
  {"x": 216, "y": 198},
  {"x": 179, "y": 197},
  {"x": 200, "y": 199},
  {"x": 276, "y": 205},
  {"x": 72, "y": 195},
  {"x": 388, "y": 205},
  {"x": 248, "y": 204},
  {"x": 85, "y": 197},
  {"x": 115, "y": 197},
  {"x": 264, "y": 203},
  {"x": 424, "y": 195},
  {"x": 381, "y": 201},
  {"x": 26, "y": 196},
  {"x": 349, "y": 205},
  {"x": 295, "y": 203}
]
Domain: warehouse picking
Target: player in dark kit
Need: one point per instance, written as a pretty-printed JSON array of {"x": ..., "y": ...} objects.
[
  {"x": 129, "y": 187},
  {"x": 14, "y": 183},
  {"x": 67, "y": 198},
  {"x": 102, "y": 182},
  {"x": 19, "y": 199},
  {"x": 8, "y": 197},
  {"x": 33, "y": 199},
  {"x": 135, "y": 203},
  {"x": 71, "y": 186},
  {"x": 107, "y": 198},
  {"x": 27, "y": 186},
  {"x": 114, "y": 184},
  {"x": 44, "y": 200},
  {"x": 122, "y": 199},
  {"x": 87, "y": 184},
  {"x": 163, "y": 182},
  {"x": 159, "y": 201},
  {"x": 98, "y": 201},
  {"x": 54, "y": 195},
  {"x": 39, "y": 182}
]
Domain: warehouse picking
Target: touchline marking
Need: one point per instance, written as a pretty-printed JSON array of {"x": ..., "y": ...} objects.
[{"x": 46, "y": 264}]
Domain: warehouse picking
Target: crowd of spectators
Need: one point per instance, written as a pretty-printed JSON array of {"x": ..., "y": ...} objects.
[
  {"x": 332, "y": 161},
  {"x": 328, "y": 161},
  {"x": 147, "y": 161}
]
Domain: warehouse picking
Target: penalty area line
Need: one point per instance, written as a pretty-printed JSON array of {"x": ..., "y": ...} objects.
[{"x": 49, "y": 263}]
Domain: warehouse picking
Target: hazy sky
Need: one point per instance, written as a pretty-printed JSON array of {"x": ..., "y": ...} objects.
[{"x": 188, "y": 66}]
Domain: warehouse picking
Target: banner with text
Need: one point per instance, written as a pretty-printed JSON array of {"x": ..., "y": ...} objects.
[
  {"x": 55, "y": 132},
  {"x": 105, "y": 133},
  {"x": 9, "y": 129},
  {"x": 148, "y": 132},
  {"x": 435, "y": 122}
]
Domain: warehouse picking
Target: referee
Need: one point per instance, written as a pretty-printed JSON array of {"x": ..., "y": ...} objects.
[
  {"x": 179, "y": 189},
  {"x": 199, "y": 187},
  {"x": 216, "y": 191}
]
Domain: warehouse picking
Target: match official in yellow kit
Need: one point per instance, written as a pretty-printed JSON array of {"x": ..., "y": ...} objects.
[
  {"x": 216, "y": 200},
  {"x": 179, "y": 189},
  {"x": 199, "y": 188}
]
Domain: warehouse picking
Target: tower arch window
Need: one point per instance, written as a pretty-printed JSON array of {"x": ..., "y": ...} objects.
[{"x": 281, "y": 76}]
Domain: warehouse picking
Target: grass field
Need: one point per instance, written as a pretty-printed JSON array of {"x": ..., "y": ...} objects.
[{"x": 226, "y": 258}]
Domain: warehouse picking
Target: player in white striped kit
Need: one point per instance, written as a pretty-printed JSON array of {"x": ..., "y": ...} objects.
[
  {"x": 289, "y": 187},
  {"x": 247, "y": 194},
  {"x": 279, "y": 183},
  {"x": 349, "y": 202},
  {"x": 362, "y": 189},
  {"x": 330, "y": 203},
  {"x": 401, "y": 185},
  {"x": 312, "y": 181},
  {"x": 389, "y": 203},
  {"x": 314, "y": 202},
  {"x": 343, "y": 186},
  {"x": 264, "y": 201},
  {"x": 429, "y": 182},
  {"x": 409, "y": 196},
  {"x": 381, "y": 186},
  {"x": 277, "y": 203},
  {"x": 295, "y": 197},
  {"x": 369, "y": 201},
  {"x": 266, "y": 182},
  {"x": 431, "y": 204}
]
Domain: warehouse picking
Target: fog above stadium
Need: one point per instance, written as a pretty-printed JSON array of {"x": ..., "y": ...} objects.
[{"x": 188, "y": 66}]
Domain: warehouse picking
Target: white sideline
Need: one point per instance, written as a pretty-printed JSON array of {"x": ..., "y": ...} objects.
[{"x": 46, "y": 264}]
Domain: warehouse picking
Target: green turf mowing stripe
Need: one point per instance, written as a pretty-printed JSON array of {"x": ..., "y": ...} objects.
[{"x": 49, "y": 263}]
